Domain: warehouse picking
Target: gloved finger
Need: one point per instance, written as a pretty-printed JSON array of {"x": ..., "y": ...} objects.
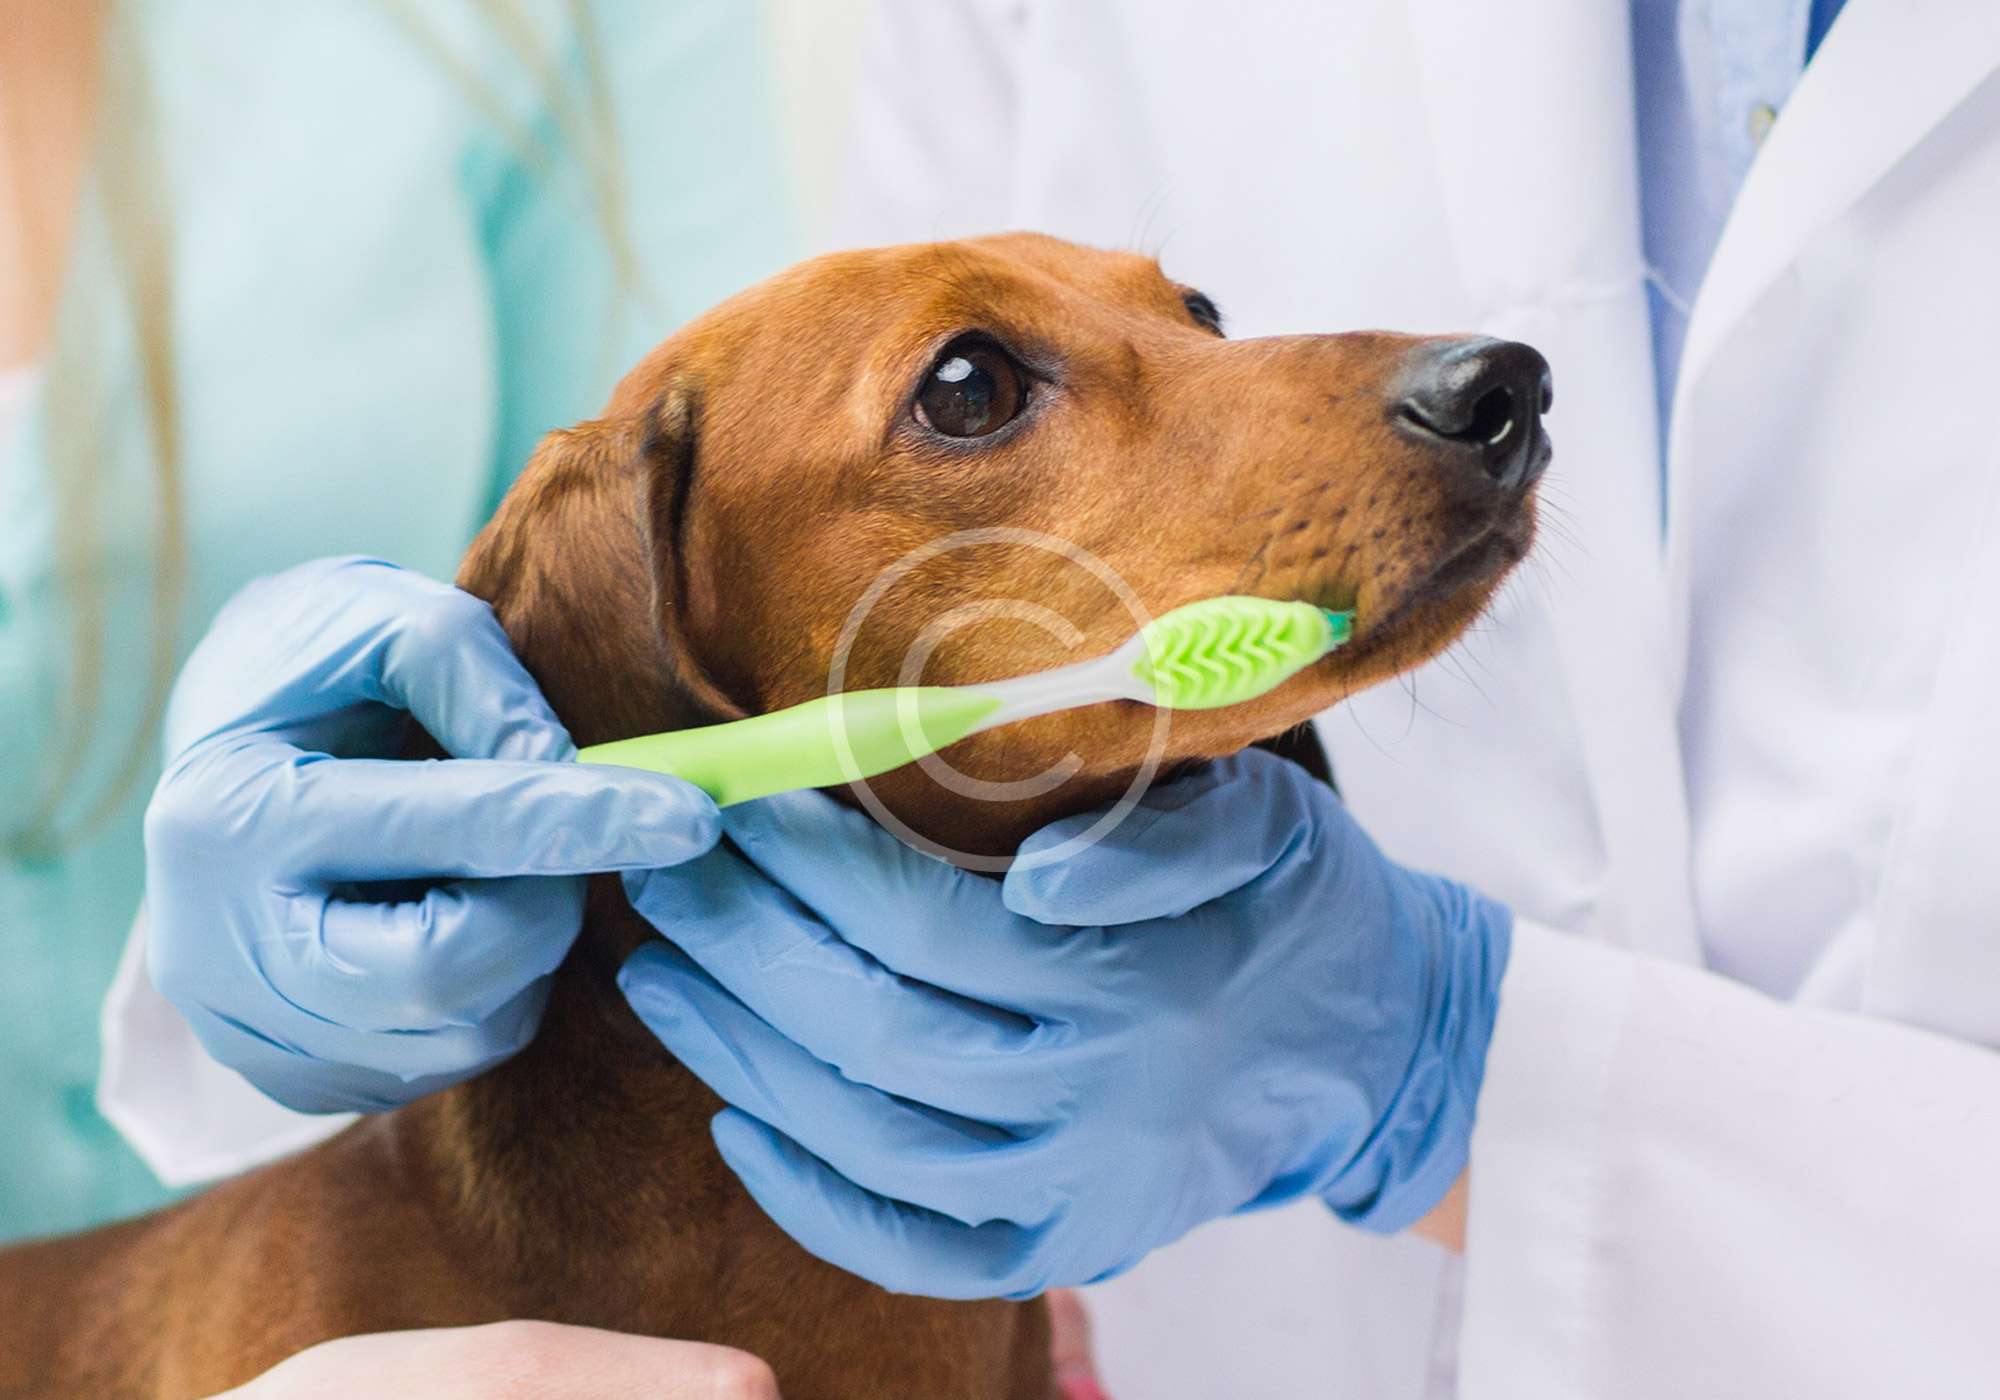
[
  {"x": 452, "y": 667},
  {"x": 908, "y": 910},
  {"x": 378, "y": 819},
  {"x": 318, "y": 643},
  {"x": 450, "y": 959},
  {"x": 902, "y": 1248},
  {"x": 315, "y": 1066},
  {"x": 904, "y": 1059},
  {"x": 893, "y": 1032},
  {"x": 1187, "y": 842},
  {"x": 960, "y": 1167},
  {"x": 307, "y": 1085}
]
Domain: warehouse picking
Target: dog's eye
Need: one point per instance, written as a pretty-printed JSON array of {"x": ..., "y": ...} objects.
[
  {"x": 1205, "y": 312},
  {"x": 975, "y": 388}
]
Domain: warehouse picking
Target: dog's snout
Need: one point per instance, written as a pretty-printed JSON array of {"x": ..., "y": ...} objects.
[{"x": 1489, "y": 396}]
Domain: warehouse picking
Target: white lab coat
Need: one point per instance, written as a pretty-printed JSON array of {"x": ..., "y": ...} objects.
[
  {"x": 1773, "y": 733},
  {"x": 1768, "y": 746}
]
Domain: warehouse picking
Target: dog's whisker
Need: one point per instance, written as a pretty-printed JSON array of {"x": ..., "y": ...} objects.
[
  {"x": 1353, "y": 713},
  {"x": 1254, "y": 518},
  {"x": 1143, "y": 220},
  {"x": 1457, "y": 656},
  {"x": 1417, "y": 702},
  {"x": 1256, "y": 560},
  {"x": 1410, "y": 716}
]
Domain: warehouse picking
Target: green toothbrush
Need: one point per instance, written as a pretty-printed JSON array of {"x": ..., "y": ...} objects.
[{"x": 1220, "y": 651}]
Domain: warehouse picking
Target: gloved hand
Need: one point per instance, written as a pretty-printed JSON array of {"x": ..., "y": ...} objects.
[
  {"x": 277, "y": 808},
  {"x": 968, "y": 1088}
]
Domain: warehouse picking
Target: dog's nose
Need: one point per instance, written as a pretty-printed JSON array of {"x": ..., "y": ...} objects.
[{"x": 1488, "y": 395}]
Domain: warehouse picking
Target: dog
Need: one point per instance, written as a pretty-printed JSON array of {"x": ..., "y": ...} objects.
[{"x": 695, "y": 554}]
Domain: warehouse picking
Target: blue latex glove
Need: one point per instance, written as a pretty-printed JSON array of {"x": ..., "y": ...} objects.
[
  {"x": 278, "y": 799},
  {"x": 967, "y": 1088}
]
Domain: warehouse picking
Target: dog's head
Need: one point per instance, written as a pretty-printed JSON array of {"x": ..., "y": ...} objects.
[{"x": 848, "y": 429}]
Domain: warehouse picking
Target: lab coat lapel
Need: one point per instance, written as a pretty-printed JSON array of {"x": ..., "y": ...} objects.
[
  {"x": 1888, "y": 72},
  {"x": 1533, "y": 136}
]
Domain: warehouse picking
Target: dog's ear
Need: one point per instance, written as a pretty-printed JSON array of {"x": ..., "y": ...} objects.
[{"x": 583, "y": 567}]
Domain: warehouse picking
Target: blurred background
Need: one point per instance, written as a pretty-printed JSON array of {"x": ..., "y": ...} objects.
[
  {"x": 283, "y": 281},
  {"x": 814, "y": 46}
]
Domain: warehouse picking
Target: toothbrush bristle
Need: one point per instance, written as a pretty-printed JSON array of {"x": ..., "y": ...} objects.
[{"x": 1223, "y": 651}]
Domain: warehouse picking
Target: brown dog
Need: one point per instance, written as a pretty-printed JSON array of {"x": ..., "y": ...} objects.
[{"x": 694, "y": 555}]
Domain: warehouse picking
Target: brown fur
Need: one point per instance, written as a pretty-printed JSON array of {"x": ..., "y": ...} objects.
[{"x": 693, "y": 555}]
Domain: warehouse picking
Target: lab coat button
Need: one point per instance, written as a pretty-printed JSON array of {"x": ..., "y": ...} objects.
[{"x": 1762, "y": 118}]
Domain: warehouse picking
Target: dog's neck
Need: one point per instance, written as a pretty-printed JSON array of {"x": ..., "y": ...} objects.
[
  {"x": 588, "y": 1155},
  {"x": 952, "y": 824}
]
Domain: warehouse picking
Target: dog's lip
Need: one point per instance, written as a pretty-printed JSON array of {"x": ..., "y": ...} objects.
[
  {"x": 1484, "y": 554},
  {"x": 1472, "y": 562}
]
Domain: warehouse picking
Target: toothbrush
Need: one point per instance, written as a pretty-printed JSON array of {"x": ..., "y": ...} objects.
[{"x": 1217, "y": 652}]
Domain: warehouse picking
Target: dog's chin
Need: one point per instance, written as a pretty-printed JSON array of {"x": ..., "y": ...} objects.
[{"x": 1429, "y": 615}]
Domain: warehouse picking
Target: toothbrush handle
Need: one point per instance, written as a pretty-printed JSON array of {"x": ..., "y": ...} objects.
[{"x": 801, "y": 747}]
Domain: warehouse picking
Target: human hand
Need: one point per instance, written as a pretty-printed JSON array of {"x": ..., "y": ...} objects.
[
  {"x": 282, "y": 814},
  {"x": 509, "y": 1360},
  {"x": 967, "y": 1088},
  {"x": 1071, "y": 1353}
]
